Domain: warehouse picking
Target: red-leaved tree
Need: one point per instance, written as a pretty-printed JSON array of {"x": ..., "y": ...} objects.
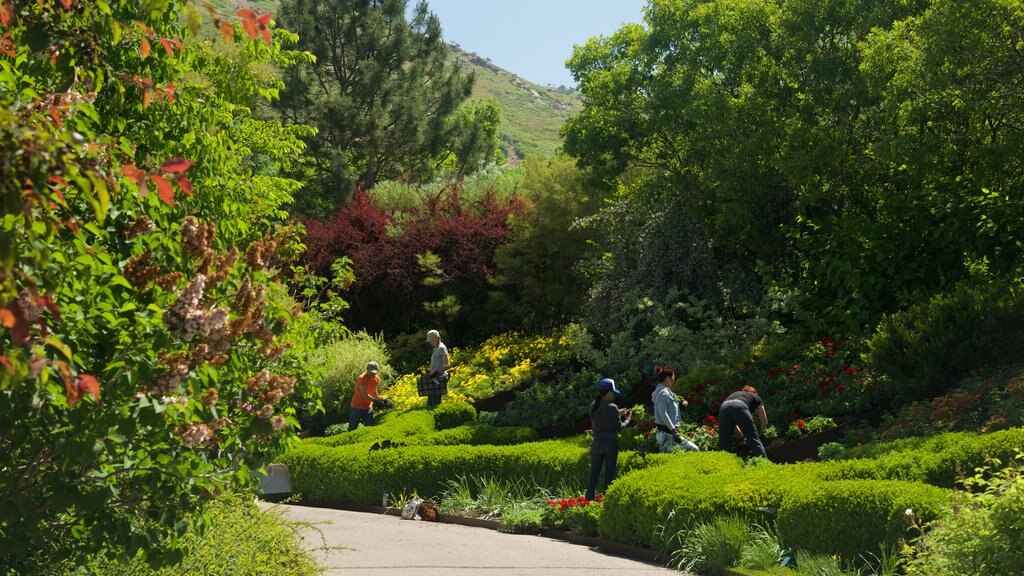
[{"x": 430, "y": 264}]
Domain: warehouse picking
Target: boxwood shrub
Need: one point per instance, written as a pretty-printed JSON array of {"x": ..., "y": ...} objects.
[
  {"x": 351, "y": 473},
  {"x": 939, "y": 460},
  {"x": 452, "y": 414},
  {"x": 397, "y": 427},
  {"x": 853, "y": 517},
  {"x": 477, "y": 434}
]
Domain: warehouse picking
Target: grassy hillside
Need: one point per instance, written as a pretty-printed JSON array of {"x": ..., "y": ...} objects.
[{"x": 531, "y": 114}]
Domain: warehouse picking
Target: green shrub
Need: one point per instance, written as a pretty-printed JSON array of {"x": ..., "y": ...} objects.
[
  {"x": 932, "y": 346},
  {"x": 476, "y": 434},
  {"x": 763, "y": 550},
  {"x": 852, "y": 517},
  {"x": 335, "y": 429},
  {"x": 980, "y": 534},
  {"x": 341, "y": 363},
  {"x": 240, "y": 539},
  {"x": 675, "y": 486},
  {"x": 350, "y": 473},
  {"x": 452, "y": 414},
  {"x": 711, "y": 547},
  {"x": 404, "y": 427},
  {"x": 941, "y": 460},
  {"x": 524, "y": 516}
]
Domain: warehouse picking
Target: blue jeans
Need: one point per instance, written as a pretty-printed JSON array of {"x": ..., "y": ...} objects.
[
  {"x": 355, "y": 416},
  {"x": 602, "y": 451}
]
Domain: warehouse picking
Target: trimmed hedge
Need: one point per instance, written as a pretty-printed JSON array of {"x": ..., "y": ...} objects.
[
  {"x": 851, "y": 518},
  {"x": 647, "y": 506},
  {"x": 452, "y": 414},
  {"x": 479, "y": 434},
  {"x": 638, "y": 503},
  {"x": 847, "y": 507},
  {"x": 353, "y": 474},
  {"x": 939, "y": 460},
  {"x": 398, "y": 427}
]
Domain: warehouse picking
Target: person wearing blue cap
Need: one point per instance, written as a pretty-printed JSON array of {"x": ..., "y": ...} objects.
[
  {"x": 605, "y": 422},
  {"x": 666, "y": 414}
]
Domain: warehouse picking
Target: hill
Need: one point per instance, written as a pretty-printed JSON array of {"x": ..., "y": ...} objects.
[{"x": 531, "y": 114}]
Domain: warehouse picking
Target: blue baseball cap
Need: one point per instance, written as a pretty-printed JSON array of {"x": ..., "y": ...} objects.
[{"x": 606, "y": 384}]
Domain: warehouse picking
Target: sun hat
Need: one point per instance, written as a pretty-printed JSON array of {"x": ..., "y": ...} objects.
[
  {"x": 372, "y": 368},
  {"x": 606, "y": 384}
]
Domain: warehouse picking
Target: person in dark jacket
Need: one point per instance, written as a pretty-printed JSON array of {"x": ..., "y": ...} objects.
[
  {"x": 738, "y": 412},
  {"x": 606, "y": 420}
]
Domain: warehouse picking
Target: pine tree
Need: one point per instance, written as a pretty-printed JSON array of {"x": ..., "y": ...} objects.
[{"x": 382, "y": 93}]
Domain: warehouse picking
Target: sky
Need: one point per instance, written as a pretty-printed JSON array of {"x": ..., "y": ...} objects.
[{"x": 531, "y": 38}]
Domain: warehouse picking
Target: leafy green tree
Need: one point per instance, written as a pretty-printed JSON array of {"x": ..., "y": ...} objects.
[
  {"x": 858, "y": 154},
  {"x": 542, "y": 276},
  {"x": 143, "y": 366},
  {"x": 382, "y": 93}
]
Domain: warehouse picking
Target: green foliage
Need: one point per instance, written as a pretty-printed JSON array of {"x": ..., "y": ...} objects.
[
  {"x": 144, "y": 352},
  {"x": 531, "y": 114},
  {"x": 578, "y": 515},
  {"x": 849, "y": 518},
  {"x": 763, "y": 550},
  {"x": 803, "y": 146},
  {"x": 541, "y": 281},
  {"x": 980, "y": 533},
  {"x": 382, "y": 92},
  {"x": 240, "y": 539},
  {"x": 524, "y": 516},
  {"x": 341, "y": 469},
  {"x": 930, "y": 347},
  {"x": 830, "y": 450},
  {"x": 500, "y": 182},
  {"x": 811, "y": 425},
  {"x": 452, "y": 414},
  {"x": 941, "y": 460},
  {"x": 678, "y": 330},
  {"x": 341, "y": 362},
  {"x": 795, "y": 378},
  {"x": 711, "y": 547},
  {"x": 475, "y": 434}
]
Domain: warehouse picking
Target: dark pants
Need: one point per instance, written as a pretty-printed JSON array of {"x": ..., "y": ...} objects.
[
  {"x": 433, "y": 399},
  {"x": 355, "y": 416},
  {"x": 734, "y": 414},
  {"x": 603, "y": 451}
]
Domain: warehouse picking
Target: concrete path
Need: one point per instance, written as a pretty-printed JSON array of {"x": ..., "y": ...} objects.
[{"x": 360, "y": 544}]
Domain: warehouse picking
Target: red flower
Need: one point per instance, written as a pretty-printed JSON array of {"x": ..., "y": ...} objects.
[
  {"x": 710, "y": 419},
  {"x": 599, "y": 498},
  {"x": 850, "y": 370},
  {"x": 800, "y": 424},
  {"x": 552, "y": 503},
  {"x": 572, "y": 501}
]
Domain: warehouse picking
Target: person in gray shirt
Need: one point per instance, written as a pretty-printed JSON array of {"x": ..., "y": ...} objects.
[
  {"x": 606, "y": 419},
  {"x": 439, "y": 365},
  {"x": 666, "y": 414}
]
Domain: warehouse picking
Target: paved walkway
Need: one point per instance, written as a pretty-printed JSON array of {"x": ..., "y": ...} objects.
[{"x": 360, "y": 544}]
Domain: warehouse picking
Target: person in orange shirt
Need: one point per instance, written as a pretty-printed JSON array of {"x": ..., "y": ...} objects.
[{"x": 361, "y": 409}]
